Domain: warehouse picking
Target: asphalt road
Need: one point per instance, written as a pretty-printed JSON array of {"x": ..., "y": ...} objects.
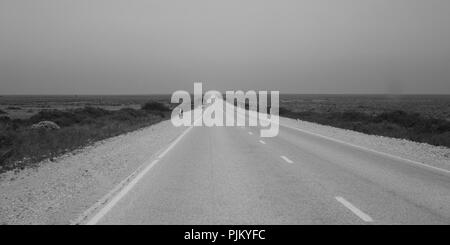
[{"x": 229, "y": 175}]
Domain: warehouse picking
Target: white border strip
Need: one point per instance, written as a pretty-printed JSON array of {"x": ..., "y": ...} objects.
[
  {"x": 97, "y": 217},
  {"x": 362, "y": 148},
  {"x": 369, "y": 150},
  {"x": 109, "y": 200}
]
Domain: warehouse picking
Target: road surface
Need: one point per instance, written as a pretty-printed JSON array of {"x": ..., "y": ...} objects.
[{"x": 229, "y": 175}]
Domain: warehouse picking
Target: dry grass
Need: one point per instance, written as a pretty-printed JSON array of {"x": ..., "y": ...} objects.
[
  {"x": 391, "y": 123},
  {"x": 21, "y": 146}
]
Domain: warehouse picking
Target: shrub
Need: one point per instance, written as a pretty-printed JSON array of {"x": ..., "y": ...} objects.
[
  {"x": 127, "y": 114},
  {"x": 4, "y": 119},
  {"x": 14, "y": 108},
  {"x": 71, "y": 117},
  {"x": 91, "y": 112},
  {"x": 46, "y": 125},
  {"x": 354, "y": 116},
  {"x": 440, "y": 139},
  {"x": 78, "y": 127},
  {"x": 63, "y": 118},
  {"x": 283, "y": 111},
  {"x": 155, "y": 106},
  {"x": 6, "y": 139},
  {"x": 398, "y": 117},
  {"x": 397, "y": 124}
]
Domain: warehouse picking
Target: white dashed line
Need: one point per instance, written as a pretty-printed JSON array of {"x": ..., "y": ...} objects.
[
  {"x": 354, "y": 209},
  {"x": 363, "y": 148},
  {"x": 262, "y": 142},
  {"x": 250, "y": 133},
  {"x": 286, "y": 159}
]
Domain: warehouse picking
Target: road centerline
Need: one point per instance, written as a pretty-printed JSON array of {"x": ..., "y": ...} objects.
[
  {"x": 365, "y": 217},
  {"x": 286, "y": 159}
]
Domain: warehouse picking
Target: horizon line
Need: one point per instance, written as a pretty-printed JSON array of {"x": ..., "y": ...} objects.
[{"x": 149, "y": 94}]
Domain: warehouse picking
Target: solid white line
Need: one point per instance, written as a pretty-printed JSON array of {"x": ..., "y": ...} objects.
[
  {"x": 369, "y": 150},
  {"x": 365, "y": 217},
  {"x": 286, "y": 159},
  {"x": 250, "y": 133},
  {"x": 109, "y": 205},
  {"x": 178, "y": 139},
  {"x": 174, "y": 143},
  {"x": 94, "y": 220},
  {"x": 262, "y": 142}
]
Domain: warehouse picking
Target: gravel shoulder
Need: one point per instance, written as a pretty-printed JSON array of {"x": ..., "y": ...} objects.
[
  {"x": 58, "y": 191},
  {"x": 421, "y": 152}
]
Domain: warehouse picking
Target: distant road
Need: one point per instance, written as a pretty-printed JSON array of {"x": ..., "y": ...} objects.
[{"x": 229, "y": 175}]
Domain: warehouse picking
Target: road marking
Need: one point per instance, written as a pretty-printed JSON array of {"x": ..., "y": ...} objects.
[
  {"x": 286, "y": 159},
  {"x": 365, "y": 217},
  {"x": 94, "y": 220},
  {"x": 364, "y": 148},
  {"x": 250, "y": 133},
  {"x": 174, "y": 143},
  {"x": 262, "y": 142},
  {"x": 369, "y": 150},
  {"x": 132, "y": 180}
]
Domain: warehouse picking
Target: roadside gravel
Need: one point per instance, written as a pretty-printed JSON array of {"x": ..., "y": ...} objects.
[
  {"x": 421, "y": 152},
  {"x": 57, "y": 192}
]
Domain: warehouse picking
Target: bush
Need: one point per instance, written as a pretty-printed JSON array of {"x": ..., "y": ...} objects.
[
  {"x": 127, "y": 114},
  {"x": 283, "y": 111},
  {"x": 4, "y": 119},
  {"x": 155, "y": 106},
  {"x": 46, "y": 125},
  {"x": 354, "y": 116},
  {"x": 62, "y": 118},
  {"x": 399, "y": 117},
  {"x": 440, "y": 139},
  {"x": 397, "y": 124},
  {"x": 15, "y": 108},
  {"x": 79, "y": 127},
  {"x": 6, "y": 139},
  {"x": 91, "y": 112},
  {"x": 68, "y": 118}
]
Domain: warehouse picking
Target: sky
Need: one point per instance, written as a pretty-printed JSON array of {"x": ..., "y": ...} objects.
[{"x": 149, "y": 47}]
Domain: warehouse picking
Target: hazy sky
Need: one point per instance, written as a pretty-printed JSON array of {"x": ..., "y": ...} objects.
[{"x": 144, "y": 46}]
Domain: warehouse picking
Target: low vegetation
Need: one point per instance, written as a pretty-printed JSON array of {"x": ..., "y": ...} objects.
[
  {"x": 14, "y": 108},
  {"x": 397, "y": 124},
  {"x": 22, "y": 145},
  {"x": 2, "y": 112}
]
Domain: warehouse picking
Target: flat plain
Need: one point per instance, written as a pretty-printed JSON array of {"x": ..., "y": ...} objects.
[{"x": 85, "y": 119}]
